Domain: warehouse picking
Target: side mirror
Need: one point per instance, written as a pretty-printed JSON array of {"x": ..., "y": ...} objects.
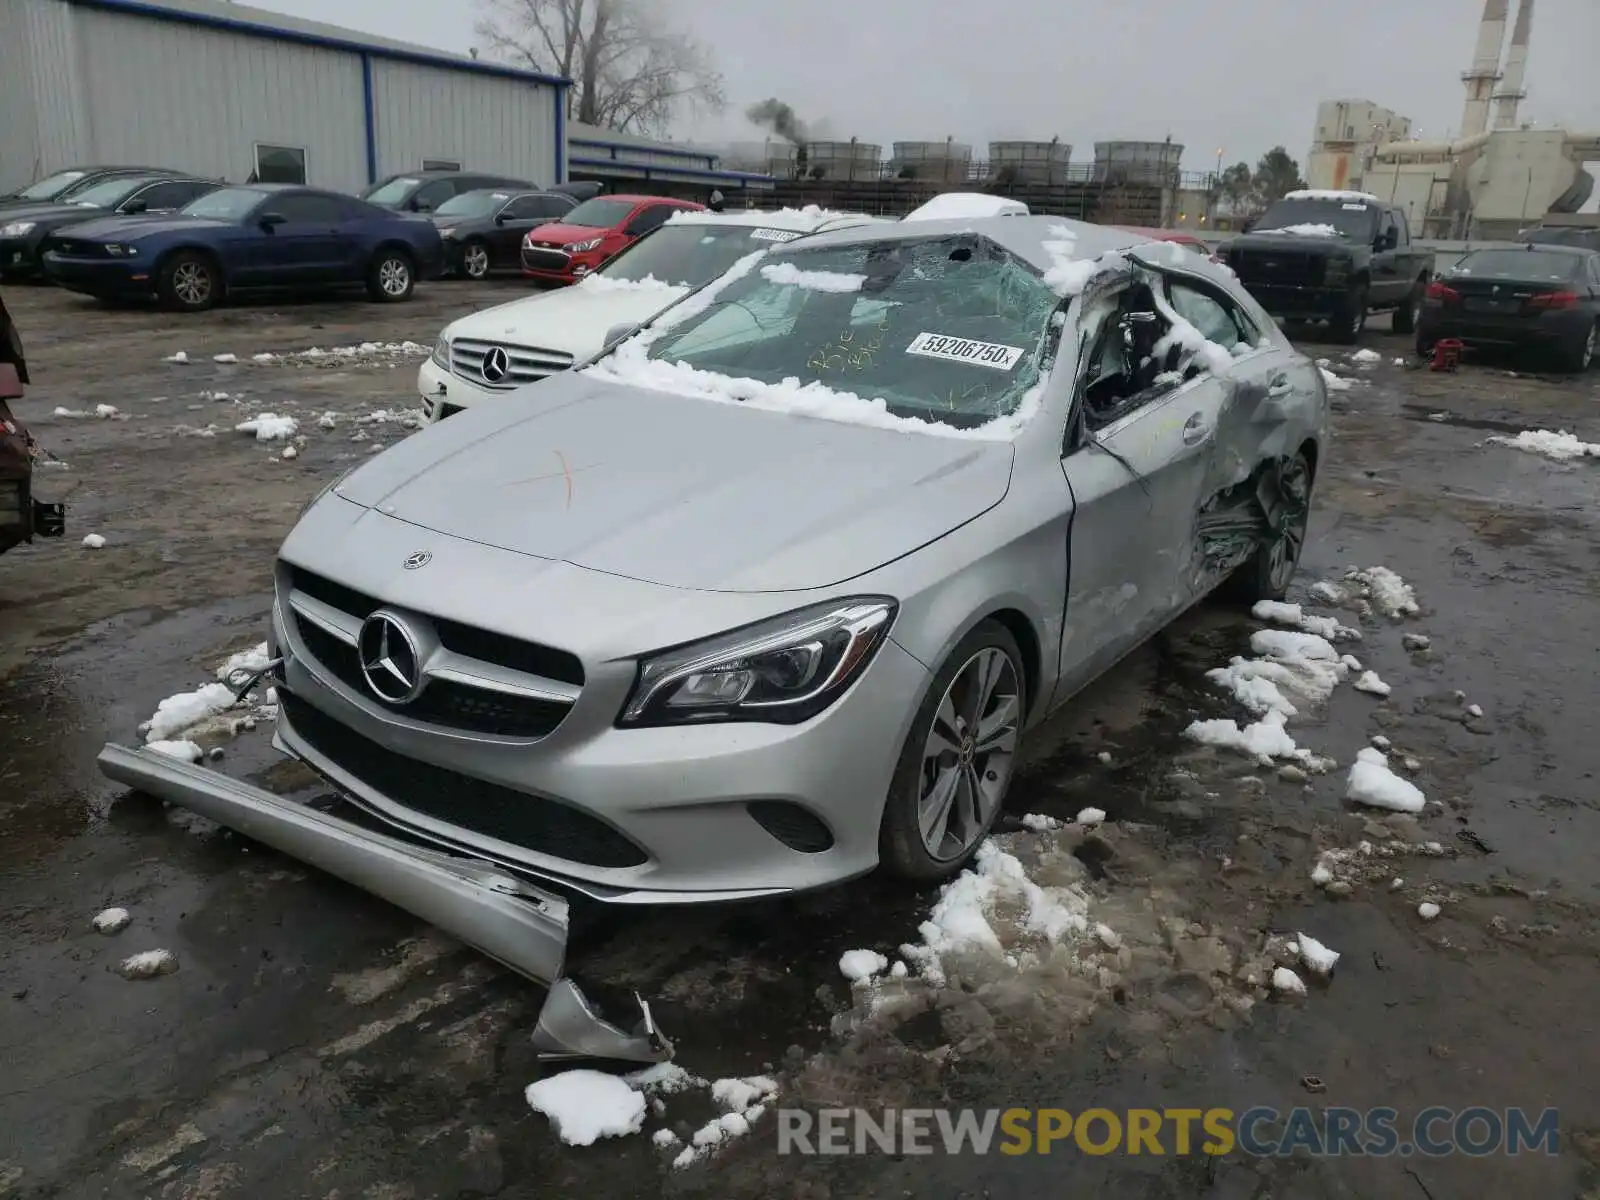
[
  {"x": 618, "y": 333},
  {"x": 502, "y": 218},
  {"x": 134, "y": 207},
  {"x": 271, "y": 220},
  {"x": 421, "y": 206}
]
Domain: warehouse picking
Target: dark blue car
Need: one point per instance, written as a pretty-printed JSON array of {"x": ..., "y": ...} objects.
[{"x": 244, "y": 238}]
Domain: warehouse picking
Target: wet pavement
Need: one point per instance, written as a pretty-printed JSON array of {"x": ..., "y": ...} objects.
[{"x": 315, "y": 1042}]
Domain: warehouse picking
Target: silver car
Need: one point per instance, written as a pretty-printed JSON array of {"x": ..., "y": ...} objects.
[{"x": 770, "y": 593}]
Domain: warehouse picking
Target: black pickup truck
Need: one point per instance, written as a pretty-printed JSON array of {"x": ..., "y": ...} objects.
[{"x": 1334, "y": 257}]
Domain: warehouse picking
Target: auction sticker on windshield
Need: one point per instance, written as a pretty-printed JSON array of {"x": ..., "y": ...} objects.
[
  {"x": 964, "y": 350},
  {"x": 764, "y": 234}
]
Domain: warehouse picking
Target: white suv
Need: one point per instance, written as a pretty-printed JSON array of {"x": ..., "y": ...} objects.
[{"x": 493, "y": 352}]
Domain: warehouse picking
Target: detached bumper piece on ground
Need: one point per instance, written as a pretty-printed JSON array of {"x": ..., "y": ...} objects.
[{"x": 518, "y": 925}]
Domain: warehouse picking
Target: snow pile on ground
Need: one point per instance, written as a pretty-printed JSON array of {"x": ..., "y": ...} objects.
[
  {"x": 995, "y": 890},
  {"x": 1389, "y": 594},
  {"x": 1428, "y": 910},
  {"x": 786, "y": 274},
  {"x": 1366, "y": 356},
  {"x": 1372, "y": 783},
  {"x": 187, "y": 709},
  {"x": 1559, "y": 445},
  {"x": 605, "y": 283},
  {"x": 268, "y": 427},
  {"x": 94, "y": 541},
  {"x": 364, "y": 351},
  {"x": 585, "y": 1106},
  {"x": 406, "y": 418},
  {"x": 184, "y": 750},
  {"x": 180, "y": 357},
  {"x": 1371, "y": 684},
  {"x": 1319, "y": 960},
  {"x": 1295, "y": 617},
  {"x": 247, "y": 661},
  {"x": 112, "y": 920},
  {"x": 1290, "y": 670},
  {"x": 861, "y": 965},
  {"x": 1286, "y": 981},
  {"x": 225, "y": 359},
  {"x": 1335, "y": 383},
  {"x": 745, "y": 1101},
  {"x": 148, "y": 965},
  {"x": 1308, "y": 229},
  {"x": 103, "y": 412},
  {"x": 201, "y": 712}
]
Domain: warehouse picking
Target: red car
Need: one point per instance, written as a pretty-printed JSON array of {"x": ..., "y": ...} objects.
[{"x": 565, "y": 251}]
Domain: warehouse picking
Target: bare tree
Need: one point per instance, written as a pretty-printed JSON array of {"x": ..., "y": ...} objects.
[{"x": 630, "y": 69}]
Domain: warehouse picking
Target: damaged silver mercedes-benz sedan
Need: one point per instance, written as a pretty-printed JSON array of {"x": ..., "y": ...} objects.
[{"x": 770, "y": 593}]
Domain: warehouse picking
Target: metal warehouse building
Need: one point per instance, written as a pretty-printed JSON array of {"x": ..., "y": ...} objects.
[{"x": 233, "y": 92}]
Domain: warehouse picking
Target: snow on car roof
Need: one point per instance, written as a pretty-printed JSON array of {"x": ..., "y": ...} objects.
[
  {"x": 950, "y": 205},
  {"x": 797, "y": 220},
  {"x": 1039, "y": 240},
  {"x": 1332, "y": 194}
]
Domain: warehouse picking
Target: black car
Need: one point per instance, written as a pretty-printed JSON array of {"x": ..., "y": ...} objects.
[
  {"x": 425, "y": 191},
  {"x": 1541, "y": 297},
  {"x": 24, "y": 230},
  {"x": 65, "y": 185},
  {"x": 483, "y": 230},
  {"x": 1334, "y": 257}
]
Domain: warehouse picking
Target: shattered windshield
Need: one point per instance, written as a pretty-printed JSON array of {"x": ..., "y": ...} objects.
[
  {"x": 1348, "y": 219},
  {"x": 949, "y": 329},
  {"x": 690, "y": 253}
]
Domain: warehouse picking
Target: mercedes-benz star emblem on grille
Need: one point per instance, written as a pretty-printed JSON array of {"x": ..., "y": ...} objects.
[
  {"x": 496, "y": 365},
  {"x": 420, "y": 559},
  {"x": 389, "y": 659}
]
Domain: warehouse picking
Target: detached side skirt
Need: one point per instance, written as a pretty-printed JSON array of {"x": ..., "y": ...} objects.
[{"x": 514, "y": 923}]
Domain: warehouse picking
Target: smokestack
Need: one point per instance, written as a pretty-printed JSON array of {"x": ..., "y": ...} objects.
[
  {"x": 1511, "y": 92},
  {"x": 1485, "y": 70}
]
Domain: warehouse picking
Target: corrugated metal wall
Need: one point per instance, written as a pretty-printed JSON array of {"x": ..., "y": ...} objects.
[
  {"x": 482, "y": 122},
  {"x": 117, "y": 87}
]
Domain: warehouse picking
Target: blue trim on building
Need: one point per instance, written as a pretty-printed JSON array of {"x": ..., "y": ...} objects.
[
  {"x": 614, "y": 149},
  {"x": 304, "y": 38},
  {"x": 650, "y": 170},
  {"x": 370, "y": 117},
  {"x": 561, "y": 136}
]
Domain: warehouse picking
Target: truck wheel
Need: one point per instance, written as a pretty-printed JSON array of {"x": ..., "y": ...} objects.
[
  {"x": 189, "y": 282},
  {"x": 1350, "y": 318},
  {"x": 1579, "y": 354},
  {"x": 1407, "y": 315}
]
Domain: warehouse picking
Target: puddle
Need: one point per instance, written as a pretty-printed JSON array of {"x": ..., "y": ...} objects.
[{"x": 1441, "y": 416}]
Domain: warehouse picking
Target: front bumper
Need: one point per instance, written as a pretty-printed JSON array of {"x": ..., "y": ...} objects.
[
  {"x": 444, "y": 394},
  {"x": 557, "y": 266},
  {"x": 19, "y": 256},
  {"x": 1293, "y": 301},
  {"x": 507, "y": 919},
  {"x": 100, "y": 277}
]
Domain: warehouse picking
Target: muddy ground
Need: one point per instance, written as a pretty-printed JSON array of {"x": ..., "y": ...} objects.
[{"x": 316, "y": 1043}]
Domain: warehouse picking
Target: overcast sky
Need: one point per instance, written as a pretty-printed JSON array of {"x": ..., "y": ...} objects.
[{"x": 1239, "y": 75}]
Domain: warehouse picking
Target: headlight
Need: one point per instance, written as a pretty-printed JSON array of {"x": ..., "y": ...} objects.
[
  {"x": 584, "y": 247},
  {"x": 441, "y": 352},
  {"x": 117, "y": 250},
  {"x": 18, "y": 229},
  {"x": 448, "y": 233},
  {"x": 785, "y": 670}
]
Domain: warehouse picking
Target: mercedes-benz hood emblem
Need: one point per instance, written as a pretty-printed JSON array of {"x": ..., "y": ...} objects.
[
  {"x": 419, "y": 559},
  {"x": 496, "y": 365}
]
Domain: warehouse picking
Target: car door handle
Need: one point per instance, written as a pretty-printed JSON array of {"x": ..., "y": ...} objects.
[{"x": 1195, "y": 429}]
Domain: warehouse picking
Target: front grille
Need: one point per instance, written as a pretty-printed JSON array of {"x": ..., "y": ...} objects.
[
  {"x": 75, "y": 248},
  {"x": 524, "y": 364},
  {"x": 487, "y": 809},
  {"x": 1291, "y": 267},
  {"x": 540, "y": 258},
  {"x": 491, "y": 647}
]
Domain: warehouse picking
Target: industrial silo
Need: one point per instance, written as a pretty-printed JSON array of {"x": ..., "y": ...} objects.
[
  {"x": 842, "y": 160},
  {"x": 1030, "y": 162},
  {"x": 948, "y": 161},
  {"x": 1151, "y": 163}
]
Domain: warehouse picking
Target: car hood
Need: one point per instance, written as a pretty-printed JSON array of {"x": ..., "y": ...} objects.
[
  {"x": 1269, "y": 240},
  {"x": 683, "y": 492},
  {"x": 574, "y": 320},
  {"x": 50, "y": 212},
  {"x": 558, "y": 233},
  {"x": 126, "y": 229}
]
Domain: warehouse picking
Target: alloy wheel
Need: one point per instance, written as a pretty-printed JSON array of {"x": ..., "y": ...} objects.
[
  {"x": 1589, "y": 349},
  {"x": 1294, "y": 492},
  {"x": 191, "y": 283},
  {"x": 394, "y": 277},
  {"x": 969, "y": 754},
  {"x": 476, "y": 261}
]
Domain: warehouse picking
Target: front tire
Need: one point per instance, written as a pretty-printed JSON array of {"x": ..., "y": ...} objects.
[
  {"x": 189, "y": 282},
  {"x": 958, "y": 760},
  {"x": 1270, "y": 570},
  {"x": 391, "y": 278},
  {"x": 475, "y": 260},
  {"x": 1407, "y": 315},
  {"x": 1350, "y": 319}
]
